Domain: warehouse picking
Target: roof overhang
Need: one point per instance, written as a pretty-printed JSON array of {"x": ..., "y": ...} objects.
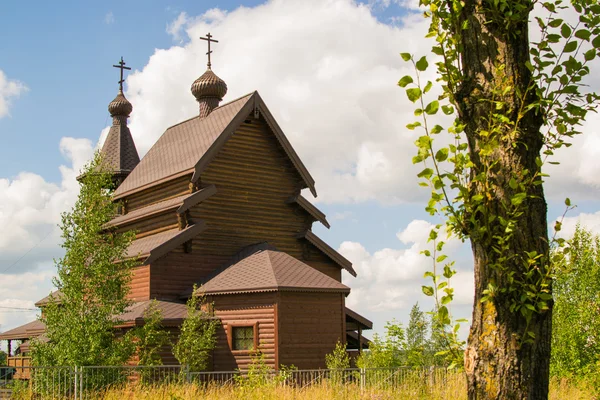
[
  {"x": 354, "y": 320},
  {"x": 317, "y": 214},
  {"x": 329, "y": 251}
]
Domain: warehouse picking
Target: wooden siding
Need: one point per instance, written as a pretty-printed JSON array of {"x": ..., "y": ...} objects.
[
  {"x": 177, "y": 272},
  {"x": 153, "y": 224},
  {"x": 310, "y": 324},
  {"x": 244, "y": 310},
  {"x": 254, "y": 180},
  {"x": 167, "y": 190},
  {"x": 140, "y": 284}
]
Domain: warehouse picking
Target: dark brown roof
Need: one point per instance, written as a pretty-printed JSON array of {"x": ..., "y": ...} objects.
[
  {"x": 329, "y": 251},
  {"x": 182, "y": 203},
  {"x": 269, "y": 270},
  {"x": 56, "y": 295},
  {"x": 191, "y": 145},
  {"x": 29, "y": 330},
  {"x": 180, "y": 147},
  {"x": 311, "y": 209},
  {"x": 155, "y": 246},
  {"x": 356, "y": 318},
  {"x": 169, "y": 311},
  {"x": 119, "y": 154}
]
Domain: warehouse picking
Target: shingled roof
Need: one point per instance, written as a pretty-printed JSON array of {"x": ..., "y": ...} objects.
[
  {"x": 270, "y": 270},
  {"x": 189, "y": 147},
  {"x": 26, "y": 331}
]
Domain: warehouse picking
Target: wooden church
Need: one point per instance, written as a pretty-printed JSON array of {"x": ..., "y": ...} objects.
[{"x": 217, "y": 202}]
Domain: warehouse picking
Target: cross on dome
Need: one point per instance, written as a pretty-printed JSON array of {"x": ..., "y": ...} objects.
[
  {"x": 122, "y": 66},
  {"x": 208, "y": 39}
]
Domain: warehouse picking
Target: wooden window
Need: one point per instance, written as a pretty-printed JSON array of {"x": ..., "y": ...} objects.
[{"x": 242, "y": 338}]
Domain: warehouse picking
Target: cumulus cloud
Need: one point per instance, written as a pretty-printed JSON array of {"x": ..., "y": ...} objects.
[
  {"x": 389, "y": 280},
  {"x": 9, "y": 90},
  {"x": 30, "y": 209},
  {"x": 328, "y": 75},
  {"x": 589, "y": 221}
]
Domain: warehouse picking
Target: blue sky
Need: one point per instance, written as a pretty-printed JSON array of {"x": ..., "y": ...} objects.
[{"x": 326, "y": 69}]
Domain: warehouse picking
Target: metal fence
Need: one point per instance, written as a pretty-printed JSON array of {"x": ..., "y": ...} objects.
[{"x": 87, "y": 382}]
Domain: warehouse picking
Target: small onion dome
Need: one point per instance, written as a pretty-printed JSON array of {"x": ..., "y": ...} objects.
[
  {"x": 120, "y": 106},
  {"x": 209, "y": 85}
]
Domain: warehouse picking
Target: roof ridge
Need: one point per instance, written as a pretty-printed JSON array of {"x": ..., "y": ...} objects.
[{"x": 221, "y": 106}]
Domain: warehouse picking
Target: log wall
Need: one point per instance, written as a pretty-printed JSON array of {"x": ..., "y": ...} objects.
[
  {"x": 244, "y": 310},
  {"x": 310, "y": 324}
]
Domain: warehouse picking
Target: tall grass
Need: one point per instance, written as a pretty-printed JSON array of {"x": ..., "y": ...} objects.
[{"x": 454, "y": 388}]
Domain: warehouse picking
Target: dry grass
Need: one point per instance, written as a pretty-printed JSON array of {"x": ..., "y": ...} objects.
[{"x": 454, "y": 388}]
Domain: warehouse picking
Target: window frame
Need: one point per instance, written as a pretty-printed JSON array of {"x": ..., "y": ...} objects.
[{"x": 243, "y": 324}]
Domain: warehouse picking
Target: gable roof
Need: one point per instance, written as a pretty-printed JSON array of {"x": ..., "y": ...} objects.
[
  {"x": 269, "y": 271},
  {"x": 26, "y": 331},
  {"x": 190, "y": 146},
  {"x": 134, "y": 314}
]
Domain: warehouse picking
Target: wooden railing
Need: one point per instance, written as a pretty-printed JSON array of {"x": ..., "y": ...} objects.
[{"x": 20, "y": 364}]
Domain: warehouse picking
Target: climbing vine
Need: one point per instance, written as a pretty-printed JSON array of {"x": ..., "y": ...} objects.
[{"x": 463, "y": 173}]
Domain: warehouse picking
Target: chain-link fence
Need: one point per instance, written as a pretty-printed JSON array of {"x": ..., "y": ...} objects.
[{"x": 90, "y": 381}]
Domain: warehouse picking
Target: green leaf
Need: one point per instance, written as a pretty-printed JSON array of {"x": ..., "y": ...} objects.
[
  {"x": 422, "y": 64},
  {"x": 512, "y": 183},
  {"x": 405, "y": 56},
  {"x": 448, "y": 110},
  {"x": 596, "y": 41},
  {"x": 590, "y": 55},
  {"x": 432, "y": 108},
  {"x": 583, "y": 34},
  {"x": 427, "y": 290},
  {"x": 518, "y": 198},
  {"x": 555, "y": 23},
  {"x": 413, "y": 94},
  {"x": 565, "y": 30},
  {"x": 406, "y": 79},
  {"x": 436, "y": 129},
  {"x": 570, "y": 47},
  {"x": 568, "y": 202},
  {"x": 427, "y": 87},
  {"x": 426, "y": 173},
  {"x": 441, "y": 155}
]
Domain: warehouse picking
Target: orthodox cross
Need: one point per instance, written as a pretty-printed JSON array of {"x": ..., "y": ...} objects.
[
  {"x": 208, "y": 39},
  {"x": 121, "y": 66}
]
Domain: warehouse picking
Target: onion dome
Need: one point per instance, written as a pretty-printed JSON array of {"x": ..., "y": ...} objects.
[
  {"x": 208, "y": 90},
  {"x": 120, "y": 106}
]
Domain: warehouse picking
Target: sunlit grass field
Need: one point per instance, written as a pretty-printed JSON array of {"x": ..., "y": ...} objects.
[{"x": 453, "y": 389}]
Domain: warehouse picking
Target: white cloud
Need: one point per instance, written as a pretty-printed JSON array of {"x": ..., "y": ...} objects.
[
  {"x": 329, "y": 76},
  {"x": 9, "y": 90},
  {"x": 389, "y": 280},
  {"x": 590, "y": 222},
  {"x": 109, "y": 18},
  {"x": 30, "y": 209}
]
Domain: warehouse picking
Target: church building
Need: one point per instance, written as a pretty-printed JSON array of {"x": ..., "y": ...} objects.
[{"x": 217, "y": 202}]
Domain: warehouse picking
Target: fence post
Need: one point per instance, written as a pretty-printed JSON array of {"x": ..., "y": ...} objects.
[
  {"x": 76, "y": 382},
  {"x": 188, "y": 376},
  {"x": 362, "y": 379}
]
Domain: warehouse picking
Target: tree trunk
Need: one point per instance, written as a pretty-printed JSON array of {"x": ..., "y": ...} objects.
[{"x": 498, "y": 362}]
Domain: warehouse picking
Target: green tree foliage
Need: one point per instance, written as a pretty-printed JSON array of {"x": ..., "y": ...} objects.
[
  {"x": 198, "y": 335},
  {"x": 576, "y": 321},
  {"x": 417, "y": 351},
  {"x": 514, "y": 104},
  {"x": 3, "y": 358},
  {"x": 151, "y": 337},
  {"x": 93, "y": 280},
  {"x": 386, "y": 352},
  {"x": 338, "y": 359}
]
